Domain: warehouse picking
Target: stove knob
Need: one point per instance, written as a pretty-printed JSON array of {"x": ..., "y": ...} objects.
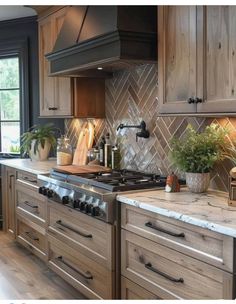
[
  {"x": 88, "y": 208},
  {"x": 95, "y": 211},
  {"x": 82, "y": 206},
  {"x": 41, "y": 189},
  {"x": 45, "y": 191},
  {"x": 50, "y": 193},
  {"x": 76, "y": 203},
  {"x": 65, "y": 200}
]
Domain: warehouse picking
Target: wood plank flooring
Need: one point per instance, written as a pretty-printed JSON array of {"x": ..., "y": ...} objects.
[{"x": 23, "y": 276}]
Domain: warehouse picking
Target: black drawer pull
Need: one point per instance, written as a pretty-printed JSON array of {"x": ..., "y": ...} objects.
[
  {"x": 87, "y": 275},
  {"x": 31, "y": 236},
  {"x": 30, "y": 205},
  {"x": 26, "y": 178},
  {"x": 52, "y": 108},
  {"x": 150, "y": 267},
  {"x": 59, "y": 222},
  {"x": 150, "y": 225}
]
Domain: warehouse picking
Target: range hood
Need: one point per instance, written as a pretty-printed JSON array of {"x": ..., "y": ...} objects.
[{"x": 96, "y": 40}]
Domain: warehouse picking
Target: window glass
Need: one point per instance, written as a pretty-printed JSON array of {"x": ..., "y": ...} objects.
[{"x": 10, "y": 137}]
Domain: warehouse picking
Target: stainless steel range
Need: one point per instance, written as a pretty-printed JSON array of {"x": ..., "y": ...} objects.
[{"x": 95, "y": 193}]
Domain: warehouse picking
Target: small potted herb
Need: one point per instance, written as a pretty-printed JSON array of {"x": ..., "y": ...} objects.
[
  {"x": 38, "y": 141},
  {"x": 196, "y": 154}
]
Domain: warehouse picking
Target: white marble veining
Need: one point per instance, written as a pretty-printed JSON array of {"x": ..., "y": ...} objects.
[
  {"x": 207, "y": 210},
  {"x": 34, "y": 167}
]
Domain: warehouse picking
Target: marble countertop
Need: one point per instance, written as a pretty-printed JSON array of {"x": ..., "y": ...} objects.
[
  {"x": 26, "y": 164},
  {"x": 207, "y": 210}
]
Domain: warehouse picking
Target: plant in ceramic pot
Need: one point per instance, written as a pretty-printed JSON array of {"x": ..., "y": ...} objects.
[
  {"x": 196, "y": 154},
  {"x": 38, "y": 141}
]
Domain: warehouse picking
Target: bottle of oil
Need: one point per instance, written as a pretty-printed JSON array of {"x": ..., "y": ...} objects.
[
  {"x": 102, "y": 151},
  {"x": 107, "y": 149},
  {"x": 115, "y": 157}
]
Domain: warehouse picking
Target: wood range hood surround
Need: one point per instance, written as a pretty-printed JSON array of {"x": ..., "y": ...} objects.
[{"x": 107, "y": 37}]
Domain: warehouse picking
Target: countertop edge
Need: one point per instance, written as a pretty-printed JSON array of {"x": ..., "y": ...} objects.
[{"x": 178, "y": 216}]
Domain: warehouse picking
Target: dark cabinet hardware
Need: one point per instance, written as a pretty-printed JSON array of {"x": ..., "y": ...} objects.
[
  {"x": 59, "y": 222},
  {"x": 150, "y": 225},
  {"x": 150, "y": 267},
  {"x": 52, "y": 108},
  {"x": 31, "y": 236},
  {"x": 30, "y": 205},
  {"x": 87, "y": 275},
  {"x": 10, "y": 184},
  {"x": 198, "y": 100},
  {"x": 26, "y": 178},
  {"x": 191, "y": 100}
]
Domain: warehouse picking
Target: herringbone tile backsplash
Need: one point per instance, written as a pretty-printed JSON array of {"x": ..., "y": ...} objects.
[{"x": 131, "y": 96}]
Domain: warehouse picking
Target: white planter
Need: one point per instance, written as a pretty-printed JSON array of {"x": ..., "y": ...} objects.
[
  {"x": 42, "y": 153},
  {"x": 197, "y": 182}
]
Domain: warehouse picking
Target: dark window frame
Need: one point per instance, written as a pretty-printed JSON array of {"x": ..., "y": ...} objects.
[{"x": 19, "y": 47}]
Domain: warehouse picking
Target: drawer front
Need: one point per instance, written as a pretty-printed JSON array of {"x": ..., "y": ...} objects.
[
  {"x": 90, "y": 278},
  {"x": 31, "y": 204},
  {"x": 27, "y": 178},
  {"x": 213, "y": 248},
  {"x": 92, "y": 237},
  {"x": 170, "y": 274},
  {"x": 132, "y": 291},
  {"x": 31, "y": 239}
]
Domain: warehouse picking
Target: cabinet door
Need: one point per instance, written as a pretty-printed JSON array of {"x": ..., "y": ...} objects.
[
  {"x": 55, "y": 93},
  {"x": 219, "y": 60},
  {"x": 8, "y": 198},
  {"x": 177, "y": 58}
]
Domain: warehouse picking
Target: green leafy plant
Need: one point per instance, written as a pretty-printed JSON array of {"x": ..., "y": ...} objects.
[
  {"x": 38, "y": 134},
  {"x": 198, "y": 152},
  {"x": 14, "y": 149}
]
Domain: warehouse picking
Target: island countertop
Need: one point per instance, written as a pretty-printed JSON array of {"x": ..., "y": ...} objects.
[
  {"x": 25, "y": 164},
  {"x": 207, "y": 210}
]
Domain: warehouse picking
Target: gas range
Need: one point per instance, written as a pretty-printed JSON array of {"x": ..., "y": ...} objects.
[{"x": 95, "y": 193}]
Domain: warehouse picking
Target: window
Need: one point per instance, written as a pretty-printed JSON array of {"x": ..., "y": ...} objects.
[{"x": 10, "y": 105}]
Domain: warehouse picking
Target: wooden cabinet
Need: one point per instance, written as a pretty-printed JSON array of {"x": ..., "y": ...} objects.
[
  {"x": 174, "y": 260},
  {"x": 8, "y": 197},
  {"x": 64, "y": 96},
  {"x": 132, "y": 291},
  {"x": 196, "y": 59}
]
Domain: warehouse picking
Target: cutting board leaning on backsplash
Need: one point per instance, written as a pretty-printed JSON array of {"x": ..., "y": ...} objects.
[{"x": 85, "y": 142}]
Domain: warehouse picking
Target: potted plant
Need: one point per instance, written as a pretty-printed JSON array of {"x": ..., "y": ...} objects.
[
  {"x": 38, "y": 141},
  {"x": 196, "y": 154}
]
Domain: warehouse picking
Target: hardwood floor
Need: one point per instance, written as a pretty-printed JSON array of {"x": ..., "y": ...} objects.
[{"x": 23, "y": 276}]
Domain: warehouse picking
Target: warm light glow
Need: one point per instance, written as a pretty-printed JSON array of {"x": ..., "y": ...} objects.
[{"x": 100, "y": 68}]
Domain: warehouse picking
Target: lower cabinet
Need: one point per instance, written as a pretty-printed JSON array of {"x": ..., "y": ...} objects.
[{"x": 132, "y": 291}]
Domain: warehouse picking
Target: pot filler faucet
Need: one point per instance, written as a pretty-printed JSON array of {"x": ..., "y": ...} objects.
[{"x": 143, "y": 133}]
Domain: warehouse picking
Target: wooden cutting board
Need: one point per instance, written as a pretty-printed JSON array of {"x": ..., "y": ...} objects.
[
  {"x": 85, "y": 142},
  {"x": 73, "y": 169}
]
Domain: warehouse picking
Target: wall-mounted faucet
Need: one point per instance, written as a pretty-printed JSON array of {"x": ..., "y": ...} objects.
[{"x": 143, "y": 133}]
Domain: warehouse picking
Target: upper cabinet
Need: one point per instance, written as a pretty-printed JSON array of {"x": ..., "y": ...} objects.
[
  {"x": 196, "y": 59},
  {"x": 64, "y": 96}
]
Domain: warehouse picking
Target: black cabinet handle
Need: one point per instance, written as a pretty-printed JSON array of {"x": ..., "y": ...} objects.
[
  {"x": 26, "y": 178},
  {"x": 191, "y": 100},
  {"x": 150, "y": 225},
  {"x": 30, "y": 205},
  {"x": 59, "y": 222},
  {"x": 87, "y": 275},
  {"x": 31, "y": 236},
  {"x": 52, "y": 108},
  {"x": 198, "y": 100},
  {"x": 150, "y": 267}
]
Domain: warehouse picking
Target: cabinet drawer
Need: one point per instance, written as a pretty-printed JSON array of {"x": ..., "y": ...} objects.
[
  {"x": 31, "y": 205},
  {"x": 213, "y": 248},
  {"x": 90, "y": 278},
  {"x": 132, "y": 291},
  {"x": 31, "y": 238},
  {"x": 27, "y": 178},
  {"x": 170, "y": 274},
  {"x": 92, "y": 237}
]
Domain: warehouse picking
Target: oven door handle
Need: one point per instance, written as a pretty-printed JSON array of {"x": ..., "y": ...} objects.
[
  {"x": 150, "y": 225},
  {"x": 87, "y": 275},
  {"x": 59, "y": 222}
]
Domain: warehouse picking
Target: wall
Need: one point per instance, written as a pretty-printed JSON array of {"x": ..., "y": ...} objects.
[
  {"x": 28, "y": 28},
  {"x": 131, "y": 96}
]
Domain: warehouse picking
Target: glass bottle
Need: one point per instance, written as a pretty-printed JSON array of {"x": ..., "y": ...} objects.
[{"x": 64, "y": 151}]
